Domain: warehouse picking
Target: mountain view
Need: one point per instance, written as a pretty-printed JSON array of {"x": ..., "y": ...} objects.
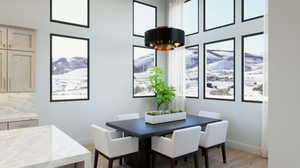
[
  {"x": 220, "y": 77},
  {"x": 70, "y": 78},
  {"x": 142, "y": 70},
  {"x": 191, "y": 71},
  {"x": 219, "y": 74},
  {"x": 253, "y": 77}
]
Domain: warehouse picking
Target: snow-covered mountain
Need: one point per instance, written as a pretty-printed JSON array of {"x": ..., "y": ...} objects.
[
  {"x": 191, "y": 58},
  {"x": 253, "y": 62},
  {"x": 143, "y": 63},
  {"x": 65, "y": 65}
]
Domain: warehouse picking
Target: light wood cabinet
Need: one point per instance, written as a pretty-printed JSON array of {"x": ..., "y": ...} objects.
[
  {"x": 21, "y": 39},
  {"x": 3, "y": 71},
  {"x": 23, "y": 124},
  {"x": 3, "y": 37},
  {"x": 17, "y": 66},
  {"x": 20, "y": 71}
]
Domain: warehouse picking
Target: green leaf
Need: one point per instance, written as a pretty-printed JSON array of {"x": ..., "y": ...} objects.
[{"x": 164, "y": 93}]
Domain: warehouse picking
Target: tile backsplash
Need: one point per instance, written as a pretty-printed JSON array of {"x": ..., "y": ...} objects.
[{"x": 19, "y": 102}]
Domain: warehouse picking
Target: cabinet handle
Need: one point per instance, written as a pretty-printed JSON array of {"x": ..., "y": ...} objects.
[
  {"x": 4, "y": 45},
  {"x": 9, "y": 45}
]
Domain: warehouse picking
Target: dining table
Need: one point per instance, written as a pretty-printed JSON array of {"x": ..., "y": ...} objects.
[{"x": 144, "y": 131}]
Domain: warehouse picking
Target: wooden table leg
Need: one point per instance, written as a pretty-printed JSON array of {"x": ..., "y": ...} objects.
[{"x": 144, "y": 153}]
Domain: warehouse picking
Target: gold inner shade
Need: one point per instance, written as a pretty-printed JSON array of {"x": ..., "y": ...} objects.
[
  {"x": 160, "y": 45},
  {"x": 164, "y": 47}
]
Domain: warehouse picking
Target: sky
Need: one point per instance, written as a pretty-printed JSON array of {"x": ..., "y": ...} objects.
[
  {"x": 218, "y": 12},
  {"x": 254, "y": 44},
  {"x": 68, "y": 47},
  {"x": 144, "y": 16},
  {"x": 190, "y": 14},
  {"x": 75, "y": 13},
  {"x": 140, "y": 52},
  {"x": 224, "y": 45}
]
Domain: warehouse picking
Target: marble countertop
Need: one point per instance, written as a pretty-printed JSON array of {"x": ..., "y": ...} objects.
[
  {"x": 40, "y": 147},
  {"x": 10, "y": 115}
]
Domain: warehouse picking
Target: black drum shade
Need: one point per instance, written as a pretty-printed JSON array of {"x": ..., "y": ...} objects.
[{"x": 164, "y": 38}]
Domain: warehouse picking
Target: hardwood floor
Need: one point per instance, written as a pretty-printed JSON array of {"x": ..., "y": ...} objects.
[{"x": 235, "y": 159}]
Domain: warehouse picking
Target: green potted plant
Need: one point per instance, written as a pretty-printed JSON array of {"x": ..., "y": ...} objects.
[{"x": 164, "y": 94}]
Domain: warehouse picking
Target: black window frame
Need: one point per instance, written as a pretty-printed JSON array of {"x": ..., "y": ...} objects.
[
  {"x": 243, "y": 68},
  {"x": 69, "y": 23},
  {"x": 190, "y": 46},
  {"x": 221, "y": 26},
  {"x": 234, "y": 66},
  {"x": 133, "y": 21},
  {"x": 155, "y": 64},
  {"x": 88, "y": 67},
  {"x": 198, "y": 24},
  {"x": 249, "y": 19}
]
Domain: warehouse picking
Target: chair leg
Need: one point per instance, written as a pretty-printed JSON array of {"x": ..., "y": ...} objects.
[
  {"x": 153, "y": 160},
  {"x": 224, "y": 153},
  {"x": 172, "y": 163},
  {"x": 196, "y": 160},
  {"x": 121, "y": 161},
  {"x": 205, "y": 152},
  {"x": 110, "y": 163},
  {"x": 96, "y": 158}
]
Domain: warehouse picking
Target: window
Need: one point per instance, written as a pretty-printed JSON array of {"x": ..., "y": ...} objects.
[
  {"x": 77, "y": 13},
  {"x": 218, "y": 13},
  {"x": 192, "y": 71},
  {"x": 144, "y": 18},
  {"x": 143, "y": 60},
  {"x": 191, "y": 17},
  {"x": 253, "y": 47},
  {"x": 252, "y": 9},
  {"x": 219, "y": 74},
  {"x": 69, "y": 68}
]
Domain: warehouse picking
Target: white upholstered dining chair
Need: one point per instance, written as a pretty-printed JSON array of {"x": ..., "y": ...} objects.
[
  {"x": 111, "y": 145},
  {"x": 208, "y": 114},
  {"x": 213, "y": 136},
  {"x": 182, "y": 143}
]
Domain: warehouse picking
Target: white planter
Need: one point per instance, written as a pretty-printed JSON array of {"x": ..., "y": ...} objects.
[{"x": 156, "y": 119}]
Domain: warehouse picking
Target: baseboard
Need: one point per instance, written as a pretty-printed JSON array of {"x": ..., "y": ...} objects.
[{"x": 243, "y": 147}]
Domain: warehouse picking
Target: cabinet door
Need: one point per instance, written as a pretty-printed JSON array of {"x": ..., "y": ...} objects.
[
  {"x": 22, "y": 124},
  {"x": 3, "y": 71},
  {"x": 21, "y": 39},
  {"x": 3, "y": 38},
  {"x": 20, "y": 71}
]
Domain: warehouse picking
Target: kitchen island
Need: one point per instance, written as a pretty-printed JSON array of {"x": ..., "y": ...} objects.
[{"x": 40, "y": 147}]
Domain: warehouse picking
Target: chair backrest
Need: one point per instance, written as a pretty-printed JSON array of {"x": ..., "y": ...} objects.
[
  {"x": 101, "y": 139},
  {"x": 209, "y": 114},
  {"x": 215, "y": 133},
  {"x": 128, "y": 116},
  {"x": 186, "y": 140}
]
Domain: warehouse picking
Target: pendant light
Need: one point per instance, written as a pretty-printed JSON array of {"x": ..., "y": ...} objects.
[{"x": 164, "y": 38}]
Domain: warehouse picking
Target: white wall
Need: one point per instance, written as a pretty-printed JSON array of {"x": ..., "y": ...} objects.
[
  {"x": 244, "y": 118},
  {"x": 110, "y": 62},
  {"x": 284, "y": 81}
]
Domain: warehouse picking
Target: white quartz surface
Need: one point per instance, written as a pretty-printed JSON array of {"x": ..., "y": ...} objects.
[
  {"x": 40, "y": 147},
  {"x": 10, "y": 115}
]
